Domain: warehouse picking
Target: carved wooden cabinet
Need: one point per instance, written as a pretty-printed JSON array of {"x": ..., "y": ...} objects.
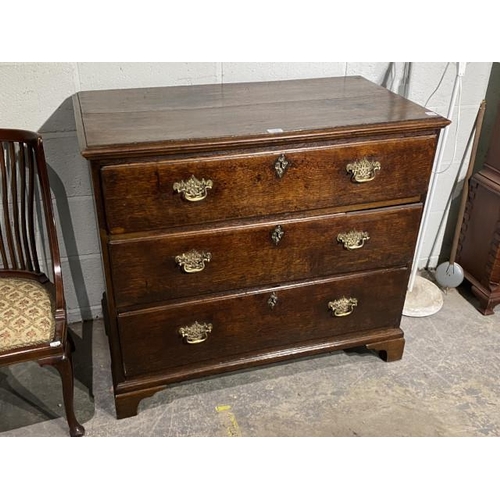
[
  {"x": 478, "y": 249},
  {"x": 248, "y": 223}
]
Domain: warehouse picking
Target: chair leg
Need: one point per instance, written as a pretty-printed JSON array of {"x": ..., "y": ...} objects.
[{"x": 65, "y": 369}]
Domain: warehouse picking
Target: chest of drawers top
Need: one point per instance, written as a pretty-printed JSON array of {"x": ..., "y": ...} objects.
[{"x": 150, "y": 121}]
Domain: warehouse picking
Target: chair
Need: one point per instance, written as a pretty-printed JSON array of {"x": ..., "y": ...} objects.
[{"x": 32, "y": 306}]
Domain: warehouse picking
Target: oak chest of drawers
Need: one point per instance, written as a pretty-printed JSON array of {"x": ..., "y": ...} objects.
[{"x": 248, "y": 223}]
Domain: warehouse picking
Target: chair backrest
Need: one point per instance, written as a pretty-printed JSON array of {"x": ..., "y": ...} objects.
[
  {"x": 21, "y": 169},
  {"x": 23, "y": 176}
]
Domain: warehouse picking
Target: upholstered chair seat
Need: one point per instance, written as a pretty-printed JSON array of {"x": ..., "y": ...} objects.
[{"x": 26, "y": 314}]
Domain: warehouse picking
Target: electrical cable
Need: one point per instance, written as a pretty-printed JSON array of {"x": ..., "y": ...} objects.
[
  {"x": 393, "y": 76},
  {"x": 456, "y": 128},
  {"x": 438, "y": 85}
]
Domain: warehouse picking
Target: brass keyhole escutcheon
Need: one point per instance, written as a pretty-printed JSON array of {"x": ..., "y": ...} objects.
[
  {"x": 280, "y": 165},
  {"x": 277, "y": 234},
  {"x": 272, "y": 301}
]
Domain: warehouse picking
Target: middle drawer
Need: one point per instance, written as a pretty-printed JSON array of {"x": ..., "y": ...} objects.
[{"x": 153, "y": 269}]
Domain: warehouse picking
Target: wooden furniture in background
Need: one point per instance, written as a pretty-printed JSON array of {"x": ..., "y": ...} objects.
[
  {"x": 32, "y": 308},
  {"x": 479, "y": 245},
  {"x": 248, "y": 223}
]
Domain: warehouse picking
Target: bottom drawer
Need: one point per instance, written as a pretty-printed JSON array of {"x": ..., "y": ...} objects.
[{"x": 222, "y": 328}]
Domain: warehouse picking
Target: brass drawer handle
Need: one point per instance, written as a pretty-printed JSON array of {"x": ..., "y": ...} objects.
[
  {"x": 196, "y": 333},
  {"x": 280, "y": 165},
  {"x": 363, "y": 170},
  {"x": 193, "y": 261},
  {"x": 343, "y": 306},
  {"x": 193, "y": 189},
  {"x": 353, "y": 239}
]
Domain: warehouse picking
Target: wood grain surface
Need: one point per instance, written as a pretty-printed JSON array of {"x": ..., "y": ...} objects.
[
  {"x": 245, "y": 322},
  {"x": 140, "y": 197},
  {"x": 117, "y": 121},
  {"x": 144, "y": 269}
]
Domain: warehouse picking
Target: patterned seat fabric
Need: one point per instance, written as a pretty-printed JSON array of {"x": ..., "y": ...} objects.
[{"x": 26, "y": 313}]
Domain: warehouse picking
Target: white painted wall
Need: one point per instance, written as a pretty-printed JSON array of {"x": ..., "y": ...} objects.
[{"x": 37, "y": 96}]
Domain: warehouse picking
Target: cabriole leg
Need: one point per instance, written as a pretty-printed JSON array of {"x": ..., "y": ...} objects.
[{"x": 65, "y": 369}]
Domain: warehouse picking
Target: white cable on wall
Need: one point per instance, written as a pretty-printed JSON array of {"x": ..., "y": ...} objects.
[
  {"x": 435, "y": 171},
  {"x": 457, "y": 121},
  {"x": 438, "y": 85}
]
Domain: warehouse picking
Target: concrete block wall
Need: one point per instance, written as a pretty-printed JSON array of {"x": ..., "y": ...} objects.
[{"x": 37, "y": 96}]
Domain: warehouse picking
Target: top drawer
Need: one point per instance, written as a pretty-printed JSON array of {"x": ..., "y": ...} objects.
[{"x": 156, "y": 195}]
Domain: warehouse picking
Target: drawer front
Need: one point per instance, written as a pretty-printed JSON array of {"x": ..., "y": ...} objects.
[
  {"x": 155, "y": 269},
  {"x": 223, "y": 328},
  {"x": 141, "y": 197}
]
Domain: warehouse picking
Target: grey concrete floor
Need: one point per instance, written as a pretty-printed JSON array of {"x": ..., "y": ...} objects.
[{"x": 447, "y": 384}]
